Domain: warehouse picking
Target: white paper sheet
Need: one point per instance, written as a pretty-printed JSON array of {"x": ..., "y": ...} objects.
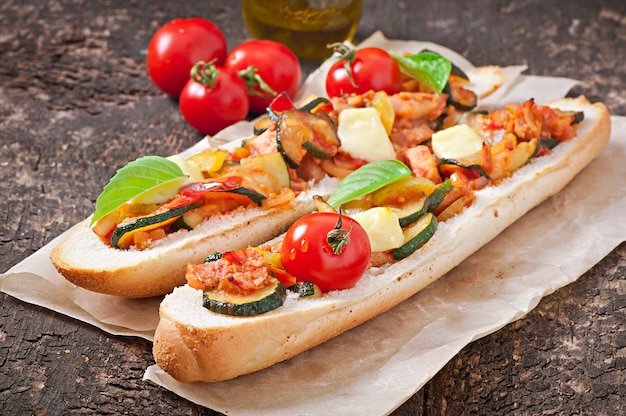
[{"x": 395, "y": 354}]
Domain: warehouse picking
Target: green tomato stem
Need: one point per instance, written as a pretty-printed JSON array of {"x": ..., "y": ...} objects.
[
  {"x": 348, "y": 55},
  {"x": 337, "y": 238},
  {"x": 205, "y": 73},
  {"x": 252, "y": 79}
]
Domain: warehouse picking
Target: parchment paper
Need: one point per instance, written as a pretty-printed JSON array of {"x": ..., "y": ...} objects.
[{"x": 377, "y": 366}]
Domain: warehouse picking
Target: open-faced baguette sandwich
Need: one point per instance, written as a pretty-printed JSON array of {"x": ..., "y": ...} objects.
[
  {"x": 156, "y": 215},
  {"x": 237, "y": 313}
]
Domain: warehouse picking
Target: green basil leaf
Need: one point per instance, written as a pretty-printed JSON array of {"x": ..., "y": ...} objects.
[
  {"x": 367, "y": 179},
  {"x": 429, "y": 68},
  {"x": 134, "y": 179}
]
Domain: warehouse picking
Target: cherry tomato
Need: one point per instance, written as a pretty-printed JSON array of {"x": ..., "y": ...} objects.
[
  {"x": 275, "y": 63},
  {"x": 177, "y": 45},
  {"x": 210, "y": 106},
  {"x": 371, "y": 69},
  {"x": 307, "y": 254}
]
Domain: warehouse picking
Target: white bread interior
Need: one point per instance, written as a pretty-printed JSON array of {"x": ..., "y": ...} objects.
[{"x": 193, "y": 344}]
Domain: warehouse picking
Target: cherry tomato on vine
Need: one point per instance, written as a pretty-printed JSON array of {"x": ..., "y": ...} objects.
[
  {"x": 274, "y": 63},
  {"x": 213, "y": 98},
  {"x": 307, "y": 253},
  {"x": 177, "y": 45},
  {"x": 369, "y": 69}
]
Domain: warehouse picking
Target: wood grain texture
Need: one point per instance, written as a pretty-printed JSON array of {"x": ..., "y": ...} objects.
[{"x": 76, "y": 104}]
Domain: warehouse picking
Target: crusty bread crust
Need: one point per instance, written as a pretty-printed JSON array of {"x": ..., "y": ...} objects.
[
  {"x": 193, "y": 344},
  {"x": 83, "y": 259}
]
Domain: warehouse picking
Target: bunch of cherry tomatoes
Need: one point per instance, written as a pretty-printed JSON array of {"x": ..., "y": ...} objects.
[{"x": 189, "y": 61}]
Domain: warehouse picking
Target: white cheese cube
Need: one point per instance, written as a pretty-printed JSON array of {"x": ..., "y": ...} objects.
[
  {"x": 363, "y": 135},
  {"x": 382, "y": 227},
  {"x": 456, "y": 142}
]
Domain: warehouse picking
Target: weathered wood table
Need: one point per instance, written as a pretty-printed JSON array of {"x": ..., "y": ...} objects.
[{"x": 76, "y": 104}]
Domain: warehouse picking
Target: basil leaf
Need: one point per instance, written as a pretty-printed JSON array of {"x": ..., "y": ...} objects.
[
  {"x": 134, "y": 179},
  {"x": 367, "y": 179},
  {"x": 429, "y": 68}
]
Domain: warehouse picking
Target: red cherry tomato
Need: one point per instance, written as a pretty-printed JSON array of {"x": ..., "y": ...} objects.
[
  {"x": 371, "y": 69},
  {"x": 210, "y": 108},
  {"x": 275, "y": 63},
  {"x": 177, "y": 45},
  {"x": 307, "y": 254}
]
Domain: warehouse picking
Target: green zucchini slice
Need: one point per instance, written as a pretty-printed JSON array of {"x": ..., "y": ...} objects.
[
  {"x": 262, "y": 301},
  {"x": 415, "y": 210},
  {"x": 434, "y": 200},
  {"x": 412, "y": 212},
  {"x": 148, "y": 222},
  {"x": 460, "y": 98},
  {"x": 260, "y": 125},
  {"x": 455, "y": 70},
  {"x": 289, "y": 142},
  {"x": 299, "y": 132},
  {"x": 546, "y": 143},
  {"x": 213, "y": 257},
  {"x": 311, "y": 105},
  {"x": 253, "y": 195},
  {"x": 416, "y": 236},
  {"x": 577, "y": 116},
  {"x": 305, "y": 289},
  {"x": 475, "y": 167}
]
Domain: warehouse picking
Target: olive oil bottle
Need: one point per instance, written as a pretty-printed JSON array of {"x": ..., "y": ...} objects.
[{"x": 305, "y": 26}]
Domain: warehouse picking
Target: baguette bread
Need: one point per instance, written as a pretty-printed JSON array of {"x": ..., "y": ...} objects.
[
  {"x": 83, "y": 259},
  {"x": 194, "y": 344}
]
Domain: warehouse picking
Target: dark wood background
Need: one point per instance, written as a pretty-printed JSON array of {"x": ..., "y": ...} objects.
[{"x": 76, "y": 104}]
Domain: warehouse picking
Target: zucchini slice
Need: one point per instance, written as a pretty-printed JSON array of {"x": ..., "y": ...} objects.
[
  {"x": 577, "y": 116},
  {"x": 253, "y": 195},
  {"x": 473, "y": 167},
  {"x": 313, "y": 104},
  {"x": 122, "y": 234},
  {"x": 436, "y": 197},
  {"x": 460, "y": 97},
  {"x": 545, "y": 144},
  {"x": 289, "y": 139},
  {"x": 416, "y": 236},
  {"x": 412, "y": 212},
  {"x": 396, "y": 194},
  {"x": 213, "y": 257},
  {"x": 415, "y": 210},
  {"x": 262, "y": 301},
  {"x": 299, "y": 132},
  {"x": 456, "y": 71},
  {"x": 325, "y": 141},
  {"x": 260, "y": 125},
  {"x": 263, "y": 123},
  {"x": 305, "y": 290}
]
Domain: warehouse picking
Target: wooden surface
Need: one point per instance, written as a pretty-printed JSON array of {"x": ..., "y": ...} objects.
[{"x": 76, "y": 104}]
